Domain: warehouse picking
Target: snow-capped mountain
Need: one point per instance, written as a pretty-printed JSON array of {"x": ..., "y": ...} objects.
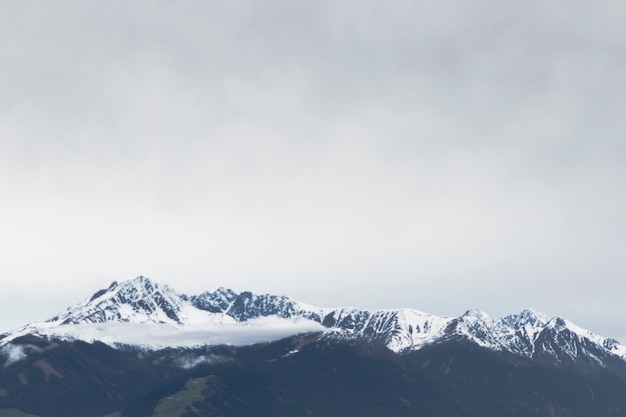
[
  {"x": 136, "y": 301},
  {"x": 142, "y": 312}
]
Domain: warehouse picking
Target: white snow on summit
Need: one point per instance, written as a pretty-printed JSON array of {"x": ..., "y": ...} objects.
[{"x": 143, "y": 313}]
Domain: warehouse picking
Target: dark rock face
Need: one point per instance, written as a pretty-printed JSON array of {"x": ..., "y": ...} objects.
[
  {"x": 246, "y": 306},
  {"x": 215, "y": 302}
]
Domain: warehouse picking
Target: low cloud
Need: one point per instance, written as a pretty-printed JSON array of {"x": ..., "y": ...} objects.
[
  {"x": 192, "y": 362},
  {"x": 15, "y": 353},
  {"x": 157, "y": 336}
]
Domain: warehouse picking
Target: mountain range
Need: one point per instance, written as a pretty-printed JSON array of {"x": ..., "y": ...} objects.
[{"x": 159, "y": 341}]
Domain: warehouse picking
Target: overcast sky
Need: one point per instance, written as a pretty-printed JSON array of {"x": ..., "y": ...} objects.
[{"x": 441, "y": 155}]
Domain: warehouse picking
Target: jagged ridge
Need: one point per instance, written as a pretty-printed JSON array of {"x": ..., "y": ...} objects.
[{"x": 529, "y": 334}]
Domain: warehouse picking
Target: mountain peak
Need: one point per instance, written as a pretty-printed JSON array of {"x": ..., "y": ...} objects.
[
  {"x": 526, "y": 317},
  {"x": 476, "y": 314},
  {"x": 136, "y": 300}
]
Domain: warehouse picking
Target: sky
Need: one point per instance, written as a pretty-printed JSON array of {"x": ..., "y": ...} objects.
[{"x": 439, "y": 155}]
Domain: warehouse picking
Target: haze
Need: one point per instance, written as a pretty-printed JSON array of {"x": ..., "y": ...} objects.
[{"x": 440, "y": 155}]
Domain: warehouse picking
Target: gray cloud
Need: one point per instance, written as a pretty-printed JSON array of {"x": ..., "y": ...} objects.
[{"x": 436, "y": 155}]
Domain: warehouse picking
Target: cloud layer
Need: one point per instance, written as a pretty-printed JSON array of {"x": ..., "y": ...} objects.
[{"x": 435, "y": 155}]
